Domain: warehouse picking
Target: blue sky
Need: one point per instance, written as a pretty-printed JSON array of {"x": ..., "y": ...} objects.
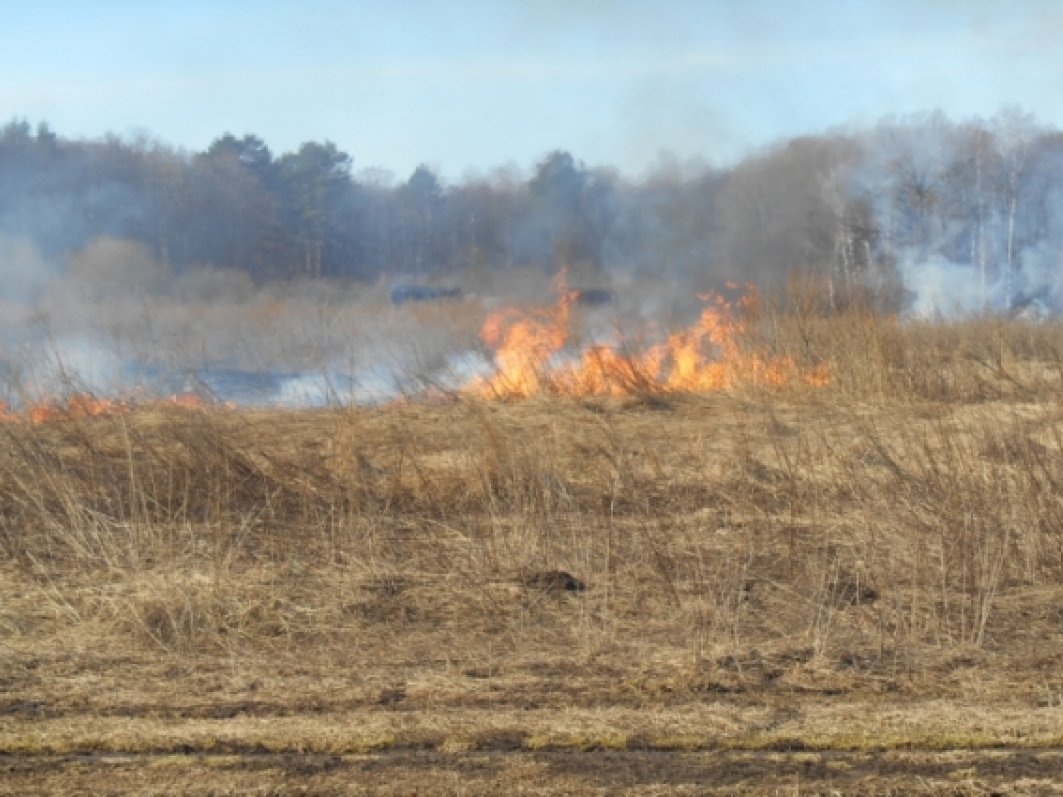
[{"x": 470, "y": 85}]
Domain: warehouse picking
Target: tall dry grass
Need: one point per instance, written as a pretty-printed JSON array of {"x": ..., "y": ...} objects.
[{"x": 886, "y": 513}]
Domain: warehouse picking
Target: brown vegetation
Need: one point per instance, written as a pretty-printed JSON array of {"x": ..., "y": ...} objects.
[{"x": 867, "y": 572}]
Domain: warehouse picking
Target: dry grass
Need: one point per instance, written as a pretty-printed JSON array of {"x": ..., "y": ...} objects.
[{"x": 870, "y": 566}]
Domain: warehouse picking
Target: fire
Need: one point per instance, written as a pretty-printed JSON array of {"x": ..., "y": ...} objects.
[
  {"x": 84, "y": 405},
  {"x": 707, "y": 357},
  {"x": 6, "y": 415},
  {"x": 533, "y": 355},
  {"x": 78, "y": 405},
  {"x": 524, "y": 343},
  {"x": 190, "y": 401},
  {"x": 819, "y": 376}
]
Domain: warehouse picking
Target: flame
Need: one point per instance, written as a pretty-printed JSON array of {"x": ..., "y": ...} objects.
[
  {"x": 820, "y": 376},
  {"x": 189, "y": 401},
  {"x": 707, "y": 357},
  {"x": 6, "y": 415},
  {"x": 82, "y": 405},
  {"x": 76, "y": 406},
  {"x": 530, "y": 358},
  {"x": 85, "y": 405},
  {"x": 524, "y": 343}
]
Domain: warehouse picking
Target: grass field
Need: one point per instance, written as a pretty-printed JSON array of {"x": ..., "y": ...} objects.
[{"x": 852, "y": 588}]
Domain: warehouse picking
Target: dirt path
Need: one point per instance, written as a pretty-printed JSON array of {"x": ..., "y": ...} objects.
[{"x": 1003, "y": 771}]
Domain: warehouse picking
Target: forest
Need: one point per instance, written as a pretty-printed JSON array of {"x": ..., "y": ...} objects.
[{"x": 921, "y": 213}]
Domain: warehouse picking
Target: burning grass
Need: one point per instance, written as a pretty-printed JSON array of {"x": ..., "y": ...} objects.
[
  {"x": 79, "y": 406},
  {"x": 872, "y": 564},
  {"x": 709, "y": 356}
]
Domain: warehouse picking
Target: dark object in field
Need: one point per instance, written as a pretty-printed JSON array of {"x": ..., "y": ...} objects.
[
  {"x": 390, "y": 697},
  {"x": 594, "y": 297},
  {"x": 850, "y": 591},
  {"x": 401, "y": 294},
  {"x": 554, "y": 581}
]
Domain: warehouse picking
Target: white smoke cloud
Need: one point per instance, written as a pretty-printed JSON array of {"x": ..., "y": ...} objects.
[
  {"x": 72, "y": 363},
  {"x": 23, "y": 270},
  {"x": 940, "y": 287}
]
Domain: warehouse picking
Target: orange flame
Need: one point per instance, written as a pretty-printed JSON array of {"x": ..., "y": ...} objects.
[
  {"x": 78, "y": 405},
  {"x": 524, "y": 343},
  {"x": 84, "y": 405},
  {"x": 6, "y": 415},
  {"x": 707, "y": 357},
  {"x": 189, "y": 401}
]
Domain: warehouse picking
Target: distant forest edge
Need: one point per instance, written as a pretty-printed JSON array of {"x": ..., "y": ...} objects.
[{"x": 921, "y": 211}]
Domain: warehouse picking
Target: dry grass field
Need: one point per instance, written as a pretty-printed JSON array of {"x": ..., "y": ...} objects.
[{"x": 848, "y": 588}]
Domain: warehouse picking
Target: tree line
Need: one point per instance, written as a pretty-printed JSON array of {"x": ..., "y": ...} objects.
[{"x": 892, "y": 210}]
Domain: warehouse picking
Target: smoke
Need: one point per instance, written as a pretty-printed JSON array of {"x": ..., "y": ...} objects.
[
  {"x": 74, "y": 363},
  {"x": 970, "y": 214},
  {"x": 23, "y": 270},
  {"x": 1040, "y": 278},
  {"x": 942, "y": 288},
  {"x": 113, "y": 320}
]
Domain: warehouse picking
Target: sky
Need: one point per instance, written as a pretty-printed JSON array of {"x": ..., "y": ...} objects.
[{"x": 470, "y": 86}]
